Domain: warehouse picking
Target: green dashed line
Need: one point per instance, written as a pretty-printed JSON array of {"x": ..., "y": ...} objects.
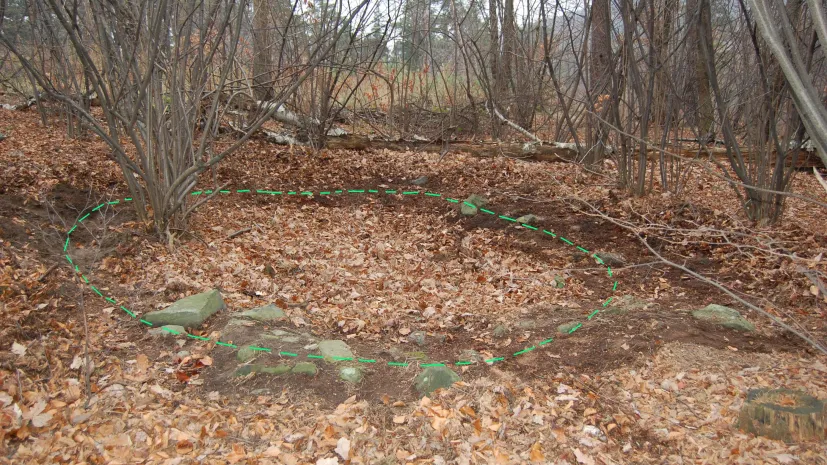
[
  {"x": 524, "y": 351},
  {"x": 129, "y": 312},
  {"x": 339, "y": 191}
]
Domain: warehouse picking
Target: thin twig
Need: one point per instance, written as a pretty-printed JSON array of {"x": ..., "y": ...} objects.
[{"x": 238, "y": 233}]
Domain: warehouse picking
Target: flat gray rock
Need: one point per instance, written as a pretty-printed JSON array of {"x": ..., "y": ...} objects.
[
  {"x": 335, "y": 350},
  {"x": 472, "y": 204},
  {"x": 611, "y": 259},
  {"x": 433, "y": 378},
  {"x": 305, "y": 368},
  {"x": 189, "y": 312},
  {"x": 168, "y": 331},
  {"x": 266, "y": 313},
  {"x": 724, "y": 316},
  {"x": 417, "y": 337},
  {"x": 566, "y": 328},
  {"x": 351, "y": 374}
]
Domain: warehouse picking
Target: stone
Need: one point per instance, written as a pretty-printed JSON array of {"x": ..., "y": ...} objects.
[
  {"x": 528, "y": 219},
  {"x": 335, "y": 350},
  {"x": 724, "y": 316},
  {"x": 420, "y": 181},
  {"x": 611, "y": 259},
  {"x": 527, "y": 324},
  {"x": 266, "y": 313},
  {"x": 627, "y": 303},
  {"x": 168, "y": 331},
  {"x": 470, "y": 355},
  {"x": 475, "y": 201},
  {"x": 416, "y": 355},
  {"x": 189, "y": 312},
  {"x": 433, "y": 378},
  {"x": 500, "y": 331},
  {"x": 245, "y": 354},
  {"x": 417, "y": 337},
  {"x": 245, "y": 370},
  {"x": 351, "y": 374},
  {"x": 305, "y": 368},
  {"x": 279, "y": 369},
  {"x": 783, "y": 415},
  {"x": 565, "y": 328},
  {"x": 2, "y": 137}
]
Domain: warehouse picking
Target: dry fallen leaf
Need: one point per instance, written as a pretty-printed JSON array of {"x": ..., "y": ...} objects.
[
  {"x": 400, "y": 419},
  {"x": 535, "y": 454},
  {"x": 343, "y": 448},
  {"x": 582, "y": 458},
  {"x": 18, "y": 349}
]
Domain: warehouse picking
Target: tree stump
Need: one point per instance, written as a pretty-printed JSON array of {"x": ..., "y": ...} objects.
[{"x": 783, "y": 414}]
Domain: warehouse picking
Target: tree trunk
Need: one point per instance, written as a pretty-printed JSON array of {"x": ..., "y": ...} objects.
[
  {"x": 600, "y": 77},
  {"x": 262, "y": 56}
]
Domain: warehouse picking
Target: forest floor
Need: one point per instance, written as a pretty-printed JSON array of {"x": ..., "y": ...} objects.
[{"x": 640, "y": 382}]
